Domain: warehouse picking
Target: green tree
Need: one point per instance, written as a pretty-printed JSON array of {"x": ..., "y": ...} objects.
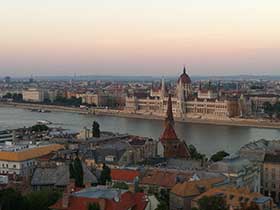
[
  {"x": 93, "y": 206},
  {"x": 105, "y": 175},
  {"x": 41, "y": 200},
  {"x": 12, "y": 200},
  {"x": 195, "y": 155},
  {"x": 212, "y": 203},
  {"x": 163, "y": 198},
  {"x": 277, "y": 109},
  {"x": 120, "y": 185},
  {"x": 39, "y": 128},
  {"x": 219, "y": 156},
  {"x": 95, "y": 129},
  {"x": 268, "y": 109},
  {"x": 76, "y": 172}
]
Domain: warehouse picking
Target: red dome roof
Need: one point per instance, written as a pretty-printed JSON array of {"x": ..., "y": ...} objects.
[{"x": 184, "y": 78}]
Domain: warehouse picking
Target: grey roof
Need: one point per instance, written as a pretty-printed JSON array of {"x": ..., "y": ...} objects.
[
  {"x": 59, "y": 176},
  {"x": 99, "y": 192},
  {"x": 116, "y": 149},
  {"x": 233, "y": 164}
]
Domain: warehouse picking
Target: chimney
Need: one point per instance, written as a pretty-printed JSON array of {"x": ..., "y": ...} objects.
[
  {"x": 102, "y": 204},
  {"x": 65, "y": 199},
  {"x": 87, "y": 184},
  {"x": 66, "y": 194},
  {"x": 71, "y": 186}
]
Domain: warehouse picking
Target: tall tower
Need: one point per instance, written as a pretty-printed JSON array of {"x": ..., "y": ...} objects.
[
  {"x": 184, "y": 90},
  {"x": 173, "y": 147},
  {"x": 163, "y": 89}
]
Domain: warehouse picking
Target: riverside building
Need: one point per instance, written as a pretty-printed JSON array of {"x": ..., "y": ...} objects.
[{"x": 185, "y": 102}]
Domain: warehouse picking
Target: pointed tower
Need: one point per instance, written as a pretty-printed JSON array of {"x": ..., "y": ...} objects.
[
  {"x": 163, "y": 89},
  {"x": 169, "y": 113},
  {"x": 173, "y": 147}
]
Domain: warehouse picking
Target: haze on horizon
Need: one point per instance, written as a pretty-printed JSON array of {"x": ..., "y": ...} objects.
[{"x": 147, "y": 37}]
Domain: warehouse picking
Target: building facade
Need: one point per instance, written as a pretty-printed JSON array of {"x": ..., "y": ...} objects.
[
  {"x": 184, "y": 101},
  {"x": 33, "y": 95},
  {"x": 270, "y": 182}
]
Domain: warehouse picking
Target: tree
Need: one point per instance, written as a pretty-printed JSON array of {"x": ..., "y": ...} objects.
[
  {"x": 212, "y": 203},
  {"x": 93, "y": 206},
  {"x": 76, "y": 172},
  {"x": 95, "y": 129},
  {"x": 120, "y": 185},
  {"x": 251, "y": 206},
  {"x": 12, "y": 200},
  {"x": 268, "y": 109},
  {"x": 105, "y": 175},
  {"x": 41, "y": 200},
  {"x": 219, "y": 156},
  {"x": 39, "y": 128},
  {"x": 194, "y": 153},
  {"x": 163, "y": 198},
  {"x": 277, "y": 109}
]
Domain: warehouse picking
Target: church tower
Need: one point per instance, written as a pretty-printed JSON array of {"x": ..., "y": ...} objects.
[
  {"x": 184, "y": 90},
  {"x": 173, "y": 147}
]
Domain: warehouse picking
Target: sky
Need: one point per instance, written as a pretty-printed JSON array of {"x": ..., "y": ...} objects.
[{"x": 132, "y": 37}]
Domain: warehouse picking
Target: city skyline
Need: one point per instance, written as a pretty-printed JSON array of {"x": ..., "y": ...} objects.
[{"x": 139, "y": 38}]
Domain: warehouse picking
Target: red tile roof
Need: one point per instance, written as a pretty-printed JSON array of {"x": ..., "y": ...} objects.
[
  {"x": 164, "y": 178},
  {"x": 169, "y": 133},
  {"x": 124, "y": 175},
  {"x": 127, "y": 200}
]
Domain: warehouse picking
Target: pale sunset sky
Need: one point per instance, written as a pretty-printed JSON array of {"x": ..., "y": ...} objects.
[{"x": 143, "y": 37}]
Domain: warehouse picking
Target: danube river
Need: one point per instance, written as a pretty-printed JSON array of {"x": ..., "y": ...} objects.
[{"x": 207, "y": 138}]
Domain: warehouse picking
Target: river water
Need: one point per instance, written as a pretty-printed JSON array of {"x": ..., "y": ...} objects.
[{"x": 207, "y": 138}]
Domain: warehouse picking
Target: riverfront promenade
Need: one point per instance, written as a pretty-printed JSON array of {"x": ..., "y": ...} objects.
[{"x": 122, "y": 113}]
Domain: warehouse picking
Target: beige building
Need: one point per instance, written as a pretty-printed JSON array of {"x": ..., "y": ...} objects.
[
  {"x": 184, "y": 104},
  {"x": 237, "y": 198},
  {"x": 33, "y": 95},
  {"x": 270, "y": 182}
]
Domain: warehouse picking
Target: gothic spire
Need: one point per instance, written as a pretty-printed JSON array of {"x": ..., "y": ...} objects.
[{"x": 169, "y": 114}]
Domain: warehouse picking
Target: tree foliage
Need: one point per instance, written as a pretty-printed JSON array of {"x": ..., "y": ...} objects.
[
  {"x": 105, "y": 175},
  {"x": 120, "y": 185},
  {"x": 17, "y": 97},
  {"x": 251, "y": 206},
  {"x": 73, "y": 101},
  {"x": 268, "y": 109},
  {"x": 195, "y": 155},
  {"x": 163, "y": 198},
  {"x": 95, "y": 129},
  {"x": 41, "y": 200},
  {"x": 76, "y": 172},
  {"x": 212, "y": 203},
  {"x": 93, "y": 206},
  {"x": 39, "y": 128},
  {"x": 37, "y": 200},
  {"x": 12, "y": 200},
  {"x": 219, "y": 156}
]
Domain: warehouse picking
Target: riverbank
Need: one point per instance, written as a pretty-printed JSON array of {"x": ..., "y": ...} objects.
[{"x": 119, "y": 113}]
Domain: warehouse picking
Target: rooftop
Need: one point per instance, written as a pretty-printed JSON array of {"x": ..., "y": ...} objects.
[{"x": 27, "y": 153}]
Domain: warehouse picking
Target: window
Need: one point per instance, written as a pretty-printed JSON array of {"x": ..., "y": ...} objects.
[{"x": 14, "y": 166}]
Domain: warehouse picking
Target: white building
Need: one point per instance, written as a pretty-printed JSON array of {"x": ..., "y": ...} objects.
[
  {"x": 33, "y": 95},
  {"x": 21, "y": 159}
]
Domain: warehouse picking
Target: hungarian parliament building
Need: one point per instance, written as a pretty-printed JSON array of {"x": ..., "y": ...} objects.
[{"x": 185, "y": 102}]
